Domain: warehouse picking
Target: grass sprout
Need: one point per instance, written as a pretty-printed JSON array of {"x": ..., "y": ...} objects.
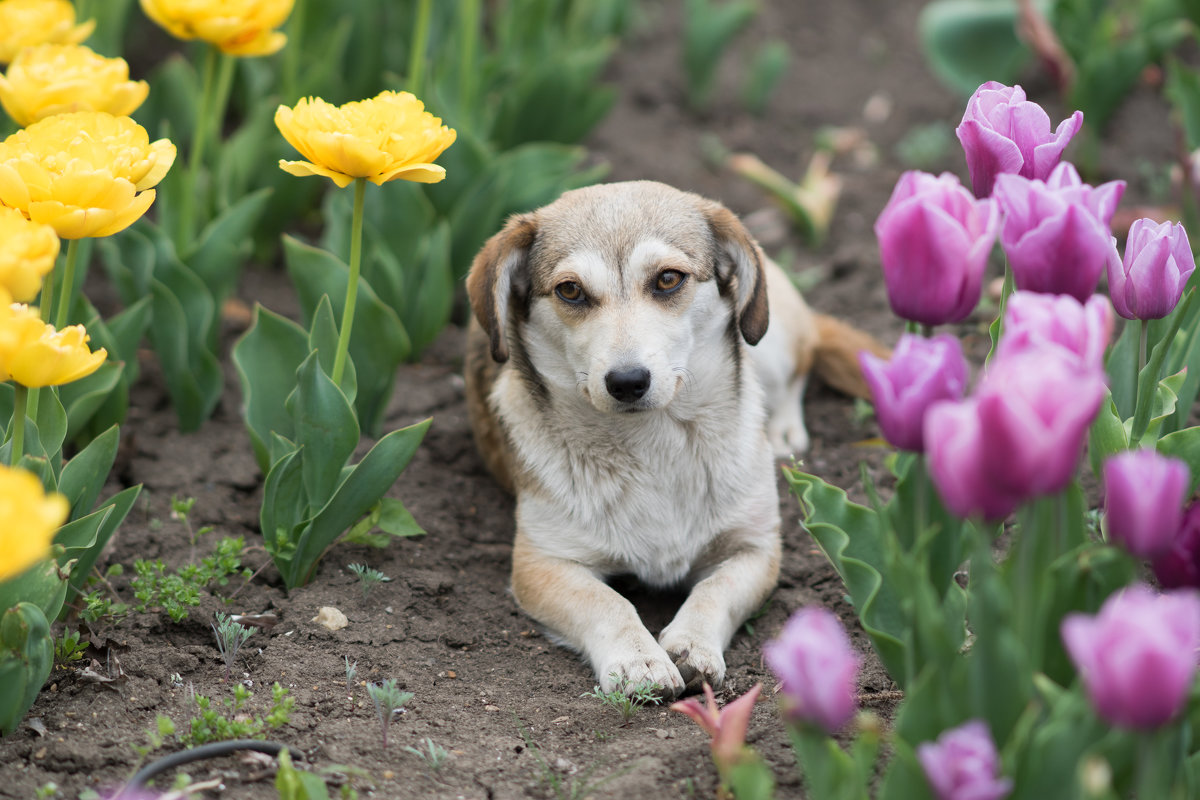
[
  {"x": 230, "y": 638},
  {"x": 388, "y": 699},
  {"x": 434, "y": 755},
  {"x": 368, "y": 578},
  {"x": 627, "y": 698}
]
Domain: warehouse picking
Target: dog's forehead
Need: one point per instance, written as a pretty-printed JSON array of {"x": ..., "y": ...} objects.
[{"x": 619, "y": 221}]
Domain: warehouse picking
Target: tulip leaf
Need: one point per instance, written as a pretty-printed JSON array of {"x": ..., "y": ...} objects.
[
  {"x": 708, "y": 30},
  {"x": 322, "y": 340},
  {"x": 84, "y": 475},
  {"x": 84, "y": 397},
  {"x": 325, "y": 428},
  {"x": 1148, "y": 378},
  {"x": 378, "y": 344},
  {"x": 266, "y": 358},
  {"x": 860, "y": 560},
  {"x": 120, "y": 505},
  {"x": 361, "y": 490},
  {"x": 218, "y": 256},
  {"x": 1107, "y": 436},
  {"x": 1184, "y": 445},
  {"x": 969, "y": 42},
  {"x": 42, "y": 585},
  {"x": 284, "y": 507},
  {"x": 24, "y": 665},
  {"x": 51, "y": 425}
]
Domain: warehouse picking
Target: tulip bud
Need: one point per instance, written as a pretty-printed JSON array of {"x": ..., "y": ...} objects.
[
  {"x": 1179, "y": 566},
  {"x": 1143, "y": 501},
  {"x": 934, "y": 241},
  {"x": 963, "y": 764},
  {"x": 1002, "y": 132},
  {"x": 1056, "y": 233},
  {"x": 1158, "y": 262},
  {"x": 818, "y": 668},
  {"x": 921, "y": 372},
  {"x": 1137, "y": 657},
  {"x": 1038, "y": 321}
]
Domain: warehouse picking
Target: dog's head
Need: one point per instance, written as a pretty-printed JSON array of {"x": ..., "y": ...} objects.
[{"x": 616, "y": 291}]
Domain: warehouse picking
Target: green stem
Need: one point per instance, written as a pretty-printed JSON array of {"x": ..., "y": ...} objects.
[
  {"x": 469, "y": 20},
  {"x": 195, "y": 158},
  {"x": 68, "y": 286},
  {"x": 46, "y": 301},
  {"x": 997, "y": 327},
  {"x": 416, "y": 58},
  {"x": 343, "y": 345},
  {"x": 292, "y": 52},
  {"x": 20, "y": 398}
]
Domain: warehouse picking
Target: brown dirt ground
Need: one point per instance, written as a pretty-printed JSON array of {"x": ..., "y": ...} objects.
[{"x": 483, "y": 676}]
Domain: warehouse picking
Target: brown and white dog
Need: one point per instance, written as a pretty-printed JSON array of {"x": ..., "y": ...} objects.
[{"x": 611, "y": 386}]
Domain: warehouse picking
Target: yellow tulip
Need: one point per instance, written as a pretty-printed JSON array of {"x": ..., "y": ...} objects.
[
  {"x": 28, "y": 254},
  {"x": 58, "y": 78},
  {"x": 85, "y": 174},
  {"x": 29, "y": 518},
  {"x": 389, "y": 137},
  {"x": 34, "y": 354},
  {"x": 237, "y": 27},
  {"x": 24, "y": 23}
]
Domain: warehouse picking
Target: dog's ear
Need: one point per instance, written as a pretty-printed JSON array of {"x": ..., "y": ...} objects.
[
  {"x": 739, "y": 258},
  {"x": 499, "y": 273}
]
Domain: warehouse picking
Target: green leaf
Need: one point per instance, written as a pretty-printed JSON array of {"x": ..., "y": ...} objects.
[
  {"x": 266, "y": 358},
  {"x": 23, "y": 669},
  {"x": 42, "y": 585},
  {"x": 284, "y": 507},
  {"x": 51, "y": 424},
  {"x": 119, "y": 505},
  {"x": 709, "y": 28},
  {"x": 969, "y": 42},
  {"x": 84, "y": 397},
  {"x": 325, "y": 429},
  {"x": 1184, "y": 445},
  {"x": 853, "y": 540},
  {"x": 322, "y": 340},
  {"x": 395, "y": 519},
  {"x": 84, "y": 475},
  {"x": 362, "y": 489},
  {"x": 1107, "y": 435},
  {"x": 379, "y": 343},
  {"x": 225, "y": 242}
]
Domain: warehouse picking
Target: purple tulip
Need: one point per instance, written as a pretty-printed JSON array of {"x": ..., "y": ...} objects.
[
  {"x": 921, "y": 372},
  {"x": 934, "y": 241},
  {"x": 1018, "y": 437},
  {"x": 1150, "y": 281},
  {"x": 817, "y": 666},
  {"x": 1038, "y": 321},
  {"x": 1137, "y": 657},
  {"x": 1002, "y": 132},
  {"x": 963, "y": 764},
  {"x": 1056, "y": 233},
  {"x": 1179, "y": 567},
  {"x": 1143, "y": 501}
]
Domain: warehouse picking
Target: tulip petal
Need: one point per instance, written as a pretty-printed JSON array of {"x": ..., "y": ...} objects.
[{"x": 305, "y": 169}]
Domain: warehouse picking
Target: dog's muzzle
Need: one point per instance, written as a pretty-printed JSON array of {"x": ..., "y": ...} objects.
[{"x": 628, "y": 385}]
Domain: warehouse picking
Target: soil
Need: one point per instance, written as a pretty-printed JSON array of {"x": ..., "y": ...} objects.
[{"x": 488, "y": 685}]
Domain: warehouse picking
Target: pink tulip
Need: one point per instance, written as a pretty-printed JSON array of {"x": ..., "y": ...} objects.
[
  {"x": 920, "y": 372},
  {"x": 1056, "y": 232},
  {"x": 934, "y": 241},
  {"x": 1179, "y": 567},
  {"x": 1038, "y": 321},
  {"x": 1158, "y": 262},
  {"x": 1137, "y": 657},
  {"x": 1002, "y": 132},
  {"x": 818, "y": 668},
  {"x": 1018, "y": 437},
  {"x": 727, "y": 726},
  {"x": 1143, "y": 501},
  {"x": 963, "y": 764}
]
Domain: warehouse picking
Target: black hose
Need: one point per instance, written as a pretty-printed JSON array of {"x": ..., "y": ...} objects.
[{"x": 214, "y": 750}]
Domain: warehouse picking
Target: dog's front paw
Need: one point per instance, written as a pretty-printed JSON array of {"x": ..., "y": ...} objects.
[
  {"x": 697, "y": 660},
  {"x": 635, "y": 663}
]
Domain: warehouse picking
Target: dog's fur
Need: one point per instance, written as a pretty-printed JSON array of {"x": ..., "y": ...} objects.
[{"x": 635, "y": 426}]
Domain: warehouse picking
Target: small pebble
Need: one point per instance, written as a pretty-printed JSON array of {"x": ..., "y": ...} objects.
[{"x": 331, "y": 618}]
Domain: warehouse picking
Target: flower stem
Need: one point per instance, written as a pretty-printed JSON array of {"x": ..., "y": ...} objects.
[
  {"x": 292, "y": 52},
  {"x": 356, "y": 226},
  {"x": 68, "y": 286},
  {"x": 469, "y": 31},
  {"x": 47, "y": 299},
  {"x": 20, "y": 398},
  {"x": 416, "y": 57},
  {"x": 186, "y": 224}
]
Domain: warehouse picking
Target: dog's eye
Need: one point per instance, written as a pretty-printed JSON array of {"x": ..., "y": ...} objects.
[
  {"x": 570, "y": 292},
  {"x": 669, "y": 280}
]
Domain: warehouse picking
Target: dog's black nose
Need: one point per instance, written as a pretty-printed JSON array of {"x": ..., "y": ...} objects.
[{"x": 628, "y": 385}]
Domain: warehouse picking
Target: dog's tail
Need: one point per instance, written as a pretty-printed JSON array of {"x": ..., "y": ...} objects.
[{"x": 836, "y": 355}]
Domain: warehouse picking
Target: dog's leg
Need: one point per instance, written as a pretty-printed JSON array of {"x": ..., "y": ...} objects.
[
  {"x": 721, "y": 601},
  {"x": 592, "y": 617},
  {"x": 785, "y": 427}
]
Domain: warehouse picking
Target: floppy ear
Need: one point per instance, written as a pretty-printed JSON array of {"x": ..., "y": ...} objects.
[
  {"x": 740, "y": 260},
  {"x": 499, "y": 272}
]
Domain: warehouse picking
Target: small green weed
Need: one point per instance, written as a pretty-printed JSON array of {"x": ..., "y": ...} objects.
[
  {"x": 627, "y": 699},
  {"x": 388, "y": 699},
  {"x": 568, "y": 787},
  {"x": 230, "y": 638},
  {"x": 433, "y": 755},
  {"x": 368, "y": 578},
  {"x": 176, "y": 592},
  {"x": 217, "y": 725},
  {"x": 68, "y": 649}
]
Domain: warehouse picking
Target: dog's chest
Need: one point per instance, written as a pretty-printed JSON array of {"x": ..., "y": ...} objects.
[{"x": 646, "y": 497}]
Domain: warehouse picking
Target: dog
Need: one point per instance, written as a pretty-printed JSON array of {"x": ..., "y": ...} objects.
[{"x": 623, "y": 381}]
